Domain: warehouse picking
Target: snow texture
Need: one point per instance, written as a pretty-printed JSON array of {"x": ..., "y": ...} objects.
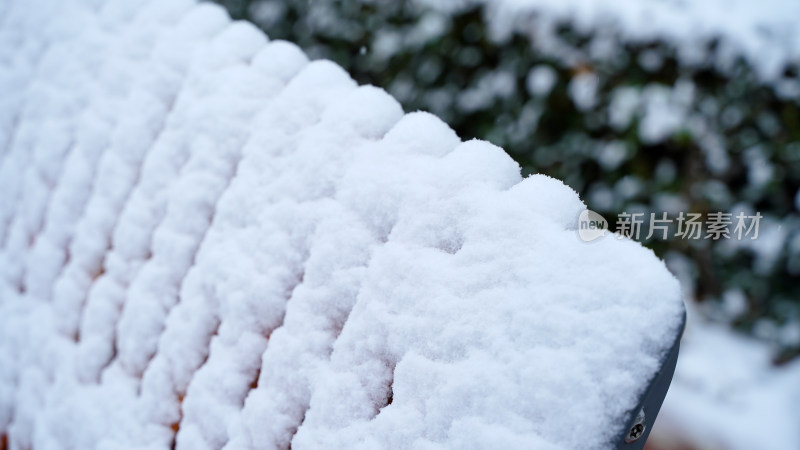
[{"x": 209, "y": 242}]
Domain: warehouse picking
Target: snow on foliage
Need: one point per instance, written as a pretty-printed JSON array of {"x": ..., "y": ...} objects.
[
  {"x": 727, "y": 393},
  {"x": 210, "y": 242},
  {"x": 766, "y": 36}
]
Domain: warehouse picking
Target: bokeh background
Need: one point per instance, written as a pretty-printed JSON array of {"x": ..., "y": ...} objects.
[{"x": 652, "y": 106}]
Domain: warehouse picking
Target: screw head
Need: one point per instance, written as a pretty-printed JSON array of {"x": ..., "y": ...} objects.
[{"x": 637, "y": 429}]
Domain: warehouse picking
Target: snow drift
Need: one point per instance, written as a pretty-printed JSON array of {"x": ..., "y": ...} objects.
[{"x": 210, "y": 242}]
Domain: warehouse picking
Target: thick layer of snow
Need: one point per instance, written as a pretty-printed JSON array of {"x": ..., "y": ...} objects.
[{"x": 210, "y": 241}]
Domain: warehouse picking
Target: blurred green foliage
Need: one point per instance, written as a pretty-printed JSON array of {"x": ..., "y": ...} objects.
[{"x": 630, "y": 126}]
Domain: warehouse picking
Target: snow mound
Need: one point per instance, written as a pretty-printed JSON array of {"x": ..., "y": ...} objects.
[{"x": 210, "y": 242}]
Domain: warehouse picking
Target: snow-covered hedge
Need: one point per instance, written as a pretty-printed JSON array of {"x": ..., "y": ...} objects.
[
  {"x": 640, "y": 106},
  {"x": 210, "y": 242},
  {"x": 726, "y": 392}
]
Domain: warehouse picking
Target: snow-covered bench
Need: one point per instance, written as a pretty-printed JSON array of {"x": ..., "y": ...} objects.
[{"x": 210, "y": 242}]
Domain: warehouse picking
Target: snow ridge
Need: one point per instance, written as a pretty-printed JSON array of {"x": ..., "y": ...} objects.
[{"x": 210, "y": 242}]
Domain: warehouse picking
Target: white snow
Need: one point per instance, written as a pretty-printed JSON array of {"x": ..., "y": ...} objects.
[
  {"x": 726, "y": 393},
  {"x": 540, "y": 80},
  {"x": 496, "y": 84},
  {"x": 766, "y": 34},
  {"x": 583, "y": 90},
  {"x": 203, "y": 232}
]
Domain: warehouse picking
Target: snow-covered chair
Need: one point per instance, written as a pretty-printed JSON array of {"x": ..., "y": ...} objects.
[{"x": 208, "y": 241}]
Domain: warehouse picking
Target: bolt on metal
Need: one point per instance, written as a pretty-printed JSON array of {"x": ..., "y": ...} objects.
[{"x": 637, "y": 429}]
